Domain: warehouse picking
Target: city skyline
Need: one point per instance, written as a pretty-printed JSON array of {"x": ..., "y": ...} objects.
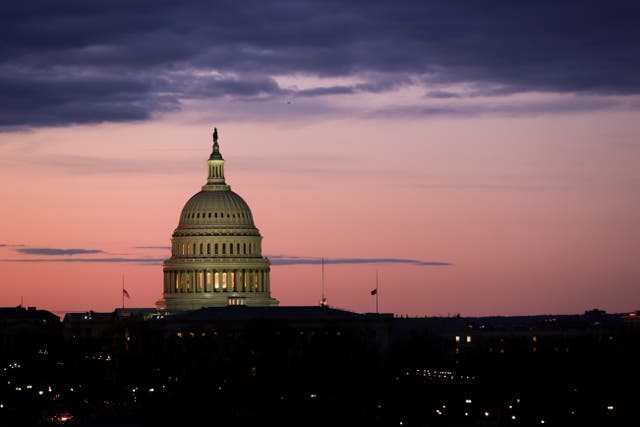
[{"x": 480, "y": 161}]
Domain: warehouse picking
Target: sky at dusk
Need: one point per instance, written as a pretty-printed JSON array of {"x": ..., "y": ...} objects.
[{"x": 480, "y": 158}]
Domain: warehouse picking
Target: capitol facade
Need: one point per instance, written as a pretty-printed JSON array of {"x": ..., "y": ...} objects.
[{"x": 216, "y": 250}]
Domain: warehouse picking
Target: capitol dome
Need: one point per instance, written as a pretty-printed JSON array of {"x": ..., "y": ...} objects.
[
  {"x": 218, "y": 208},
  {"x": 216, "y": 250}
]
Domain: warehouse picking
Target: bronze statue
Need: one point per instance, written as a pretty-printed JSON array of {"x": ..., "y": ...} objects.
[{"x": 215, "y": 134}]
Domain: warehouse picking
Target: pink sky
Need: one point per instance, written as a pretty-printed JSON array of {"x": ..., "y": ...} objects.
[{"x": 536, "y": 213}]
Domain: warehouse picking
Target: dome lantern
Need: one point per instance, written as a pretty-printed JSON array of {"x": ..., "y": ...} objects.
[{"x": 215, "y": 181}]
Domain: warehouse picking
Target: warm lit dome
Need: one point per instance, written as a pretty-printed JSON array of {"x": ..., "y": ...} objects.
[{"x": 216, "y": 250}]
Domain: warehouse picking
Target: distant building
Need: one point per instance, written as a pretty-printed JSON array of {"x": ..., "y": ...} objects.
[
  {"x": 26, "y": 331},
  {"x": 216, "y": 252}
]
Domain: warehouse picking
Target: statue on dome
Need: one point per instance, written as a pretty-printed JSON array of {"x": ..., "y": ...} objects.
[{"x": 215, "y": 134}]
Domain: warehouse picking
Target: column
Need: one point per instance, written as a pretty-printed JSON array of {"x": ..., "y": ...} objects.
[{"x": 268, "y": 282}]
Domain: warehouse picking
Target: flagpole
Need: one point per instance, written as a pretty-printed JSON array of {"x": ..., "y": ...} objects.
[
  {"x": 123, "y": 291},
  {"x": 323, "y": 301}
]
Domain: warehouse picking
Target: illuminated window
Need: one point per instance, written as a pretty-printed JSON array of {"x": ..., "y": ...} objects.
[
  {"x": 236, "y": 301},
  {"x": 232, "y": 280},
  {"x": 457, "y": 338},
  {"x": 224, "y": 275},
  {"x": 535, "y": 338},
  {"x": 208, "y": 279},
  {"x": 182, "y": 249},
  {"x": 200, "y": 280},
  {"x": 216, "y": 278},
  {"x": 468, "y": 338}
]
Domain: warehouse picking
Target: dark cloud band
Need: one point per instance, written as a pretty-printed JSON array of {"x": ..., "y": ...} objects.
[
  {"x": 89, "y": 62},
  {"x": 149, "y": 261},
  {"x": 57, "y": 251},
  {"x": 275, "y": 260},
  {"x": 286, "y": 260}
]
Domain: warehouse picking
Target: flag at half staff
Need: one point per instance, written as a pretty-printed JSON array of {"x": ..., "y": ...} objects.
[
  {"x": 125, "y": 293},
  {"x": 375, "y": 291}
]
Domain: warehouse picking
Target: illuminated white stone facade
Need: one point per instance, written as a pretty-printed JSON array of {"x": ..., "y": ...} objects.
[{"x": 216, "y": 254}]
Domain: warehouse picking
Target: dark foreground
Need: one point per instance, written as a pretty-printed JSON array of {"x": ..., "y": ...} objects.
[{"x": 318, "y": 367}]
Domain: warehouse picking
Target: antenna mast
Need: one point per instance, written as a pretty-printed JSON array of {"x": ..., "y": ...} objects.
[{"x": 323, "y": 300}]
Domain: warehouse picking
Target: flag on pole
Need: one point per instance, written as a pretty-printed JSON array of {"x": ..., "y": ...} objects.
[
  {"x": 374, "y": 292},
  {"x": 125, "y": 293}
]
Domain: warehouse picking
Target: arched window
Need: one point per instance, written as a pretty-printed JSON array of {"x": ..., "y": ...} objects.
[
  {"x": 194, "y": 248},
  {"x": 201, "y": 245},
  {"x": 208, "y": 248},
  {"x": 224, "y": 248},
  {"x": 231, "y": 248},
  {"x": 215, "y": 249}
]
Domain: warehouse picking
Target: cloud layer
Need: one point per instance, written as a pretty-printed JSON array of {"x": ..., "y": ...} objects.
[
  {"x": 292, "y": 260},
  {"x": 90, "y": 62},
  {"x": 275, "y": 259},
  {"x": 57, "y": 251}
]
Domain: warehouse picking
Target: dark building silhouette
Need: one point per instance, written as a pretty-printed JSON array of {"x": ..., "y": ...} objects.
[{"x": 317, "y": 366}]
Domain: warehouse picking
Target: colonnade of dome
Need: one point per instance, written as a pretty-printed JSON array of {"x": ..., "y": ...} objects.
[{"x": 216, "y": 250}]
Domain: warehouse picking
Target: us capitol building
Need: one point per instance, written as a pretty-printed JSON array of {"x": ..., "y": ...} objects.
[{"x": 216, "y": 254}]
